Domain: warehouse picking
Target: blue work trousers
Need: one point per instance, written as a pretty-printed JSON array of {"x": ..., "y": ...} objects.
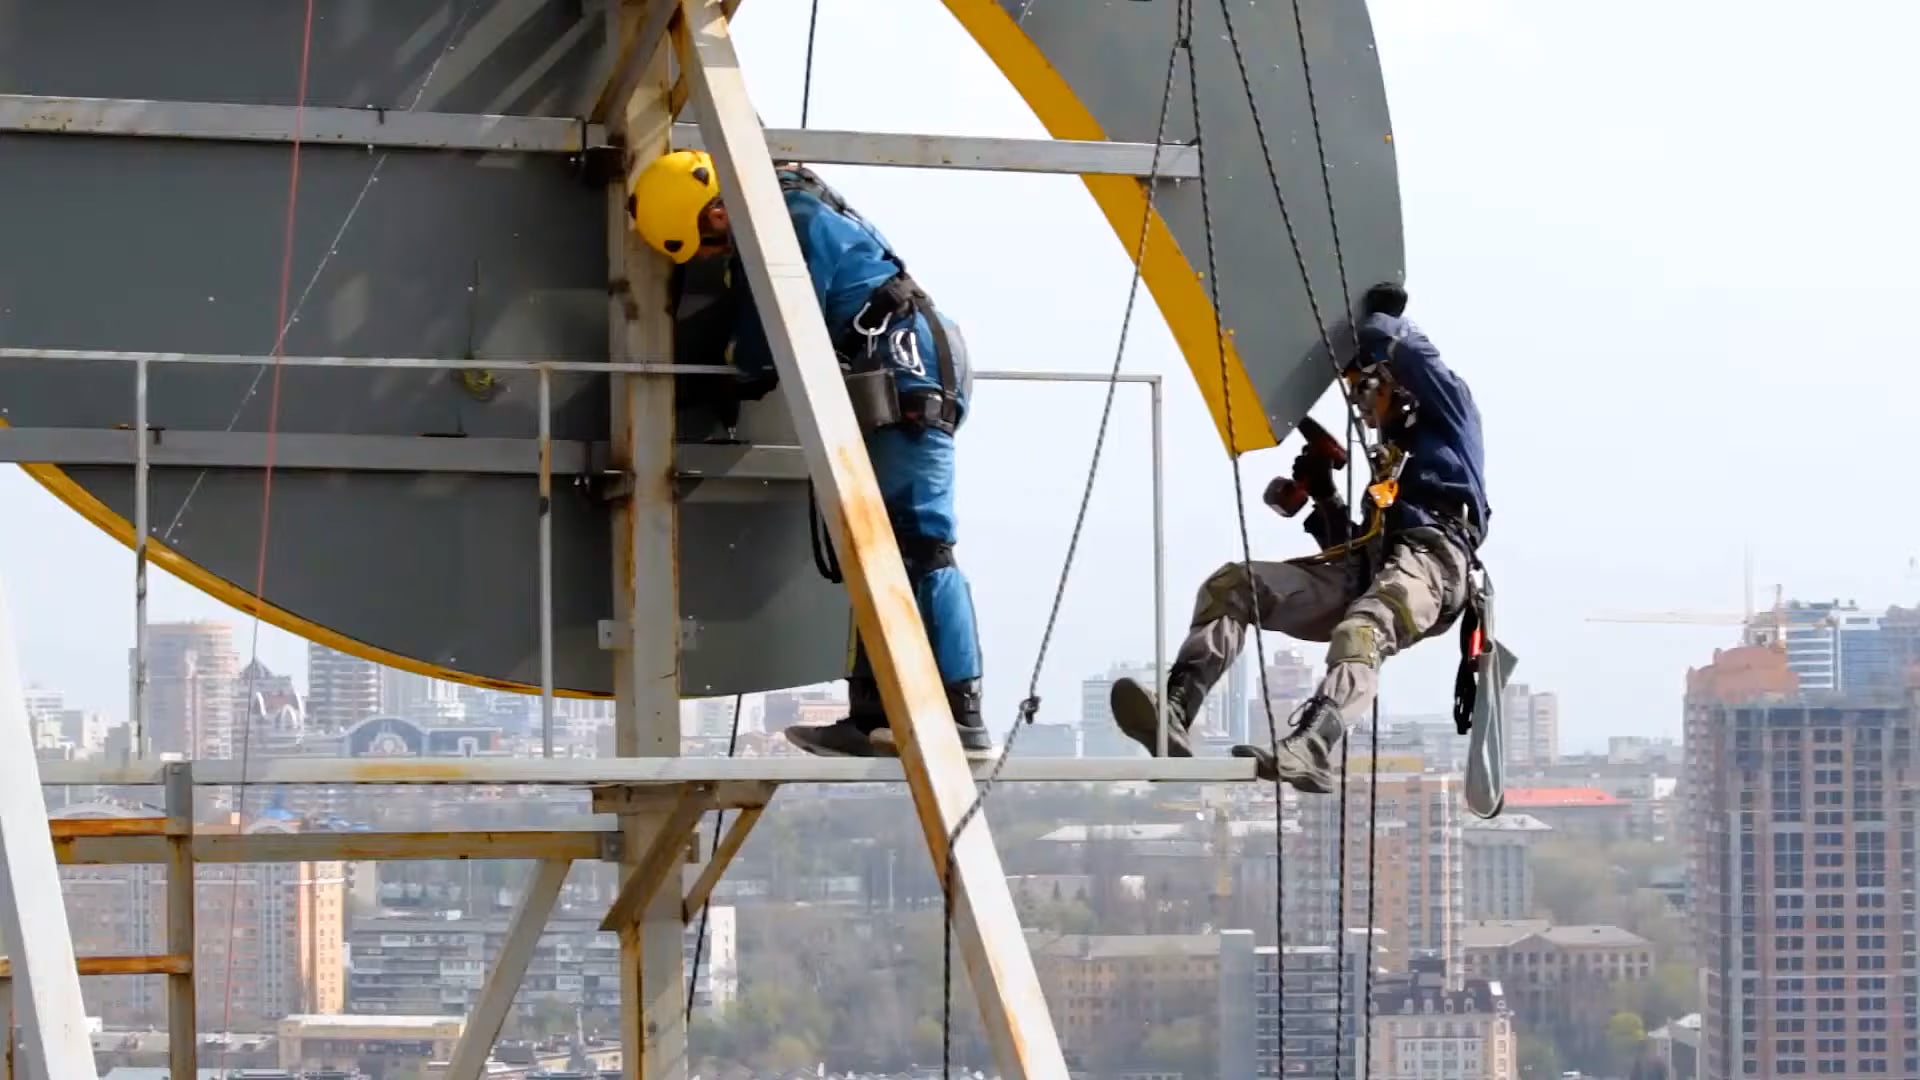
[{"x": 914, "y": 468}]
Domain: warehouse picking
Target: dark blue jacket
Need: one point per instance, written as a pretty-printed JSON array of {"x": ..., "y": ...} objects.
[
  {"x": 1446, "y": 464},
  {"x": 847, "y": 259}
]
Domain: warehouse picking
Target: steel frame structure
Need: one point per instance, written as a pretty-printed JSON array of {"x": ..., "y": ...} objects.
[{"x": 668, "y": 53}]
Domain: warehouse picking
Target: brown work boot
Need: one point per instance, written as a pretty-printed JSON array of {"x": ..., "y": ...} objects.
[
  {"x": 1304, "y": 757},
  {"x": 1135, "y": 712}
]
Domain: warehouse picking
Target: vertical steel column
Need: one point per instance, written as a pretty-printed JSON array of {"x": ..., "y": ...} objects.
[
  {"x": 182, "y": 1025},
  {"x": 986, "y": 926},
  {"x": 1159, "y": 569},
  {"x": 646, "y": 568},
  {"x": 546, "y": 563},
  {"x": 138, "y": 746}
]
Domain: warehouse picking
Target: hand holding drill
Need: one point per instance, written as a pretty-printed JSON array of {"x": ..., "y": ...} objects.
[{"x": 1312, "y": 477}]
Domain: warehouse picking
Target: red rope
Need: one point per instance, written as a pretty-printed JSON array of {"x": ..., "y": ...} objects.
[{"x": 266, "y": 495}]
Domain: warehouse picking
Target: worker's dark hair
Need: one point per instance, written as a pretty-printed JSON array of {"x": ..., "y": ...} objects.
[{"x": 1386, "y": 298}]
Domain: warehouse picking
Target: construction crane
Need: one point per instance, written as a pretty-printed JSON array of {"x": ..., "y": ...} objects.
[{"x": 1765, "y": 628}]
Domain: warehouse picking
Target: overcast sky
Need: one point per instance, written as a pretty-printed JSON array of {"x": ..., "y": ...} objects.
[{"x": 1670, "y": 247}]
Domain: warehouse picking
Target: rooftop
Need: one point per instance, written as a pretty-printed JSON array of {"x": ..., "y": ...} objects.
[
  {"x": 1509, "y": 823},
  {"x": 354, "y": 1021},
  {"x": 1556, "y": 797},
  {"x": 1501, "y": 933}
]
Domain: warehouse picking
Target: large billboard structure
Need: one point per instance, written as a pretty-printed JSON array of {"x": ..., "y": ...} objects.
[{"x": 483, "y": 464}]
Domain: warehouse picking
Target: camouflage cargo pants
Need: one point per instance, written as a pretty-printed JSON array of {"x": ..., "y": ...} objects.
[{"x": 1418, "y": 592}]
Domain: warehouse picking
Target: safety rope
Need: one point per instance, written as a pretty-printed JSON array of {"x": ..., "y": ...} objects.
[
  {"x": 1030, "y": 705},
  {"x": 719, "y": 822},
  {"x": 277, "y": 355},
  {"x": 1355, "y": 439}
]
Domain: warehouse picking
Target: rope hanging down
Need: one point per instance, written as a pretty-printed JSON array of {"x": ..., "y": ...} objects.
[
  {"x": 719, "y": 823},
  {"x": 1355, "y": 437},
  {"x": 281, "y": 323},
  {"x": 1030, "y": 705}
]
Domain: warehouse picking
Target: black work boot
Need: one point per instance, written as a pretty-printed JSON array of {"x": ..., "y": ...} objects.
[
  {"x": 850, "y": 736},
  {"x": 1133, "y": 709},
  {"x": 1305, "y": 755},
  {"x": 964, "y": 699}
]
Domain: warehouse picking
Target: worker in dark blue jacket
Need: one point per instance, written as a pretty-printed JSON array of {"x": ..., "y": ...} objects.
[
  {"x": 1369, "y": 593},
  {"x": 908, "y": 378}
]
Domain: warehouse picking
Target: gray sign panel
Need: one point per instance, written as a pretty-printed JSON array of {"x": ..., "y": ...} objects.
[{"x": 150, "y": 244}]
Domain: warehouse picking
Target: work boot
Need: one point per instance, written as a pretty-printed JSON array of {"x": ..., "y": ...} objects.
[
  {"x": 964, "y": 699},
  {"x": 1305, "y": 756},
  {"x": 1133, "y": 709},
  {"x": 851, "y": 735}
]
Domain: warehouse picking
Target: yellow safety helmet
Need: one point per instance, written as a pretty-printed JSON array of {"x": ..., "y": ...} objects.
[{"x": 668, "y": 198}]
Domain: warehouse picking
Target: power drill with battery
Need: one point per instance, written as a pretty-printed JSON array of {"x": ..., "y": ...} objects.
[{"x": 1288, "y": 496}]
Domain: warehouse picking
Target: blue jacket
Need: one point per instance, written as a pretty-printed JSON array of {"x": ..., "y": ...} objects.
[
  {"x": 1446, "y": 463},
  {"x": 847, "y": 259}
]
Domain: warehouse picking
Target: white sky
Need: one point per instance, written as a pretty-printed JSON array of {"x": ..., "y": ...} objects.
[{"x": 1669, "y": 245}]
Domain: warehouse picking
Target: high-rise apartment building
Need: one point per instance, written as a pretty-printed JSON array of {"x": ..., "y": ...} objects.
[
  {"x": 342, "y": 690},
  {"x": 1497, "y": 857},
  {"x": 1532, "y": 727},
  {"x": 1325, "y": 992},
  {"x": 192, "y": 668},
  {"x": 1800, "y": 819},
  {"x": 1417, "y": 868}
]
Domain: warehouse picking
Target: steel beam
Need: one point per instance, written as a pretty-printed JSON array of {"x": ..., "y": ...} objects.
[
  {"x": 590, "y": 772},
  {"x": 1012, "y": 1008},
  {"x": 318, "y": 124},
  {"x": 509, "y": 968},
  {"x": 33, "y": 915},
  {"x": 646, "y": 600},
  {"x": 644, "y": 364},
  {"x": 398, "y": 129},
  {"x": 291, "y": 451},
  {"x": 1069, "y": 157}
]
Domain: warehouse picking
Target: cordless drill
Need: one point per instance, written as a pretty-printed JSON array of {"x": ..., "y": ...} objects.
[{"x": 1289, "y": 496}]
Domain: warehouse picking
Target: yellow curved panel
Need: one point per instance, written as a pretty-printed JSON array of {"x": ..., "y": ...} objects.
[
  {"x": 1175, "y": 285},
  {"x": 62, "y": 487}
]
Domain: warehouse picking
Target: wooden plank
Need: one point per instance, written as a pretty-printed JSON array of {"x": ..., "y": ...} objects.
[
  {"x": 352, "y": 847},
  {"x": 665, "y": 853},
  {"x": 716, "y": 867},
  {"x": 986, "y": 926},
  {"x": 509, "y": 968},
  {"x": 646, "y": 601},
  {"x": 183, "y": 1041},
  {"x": 90, "y": 966},
  {"x": 33, "y": 915},
  {"x": 68, "y": 828}
]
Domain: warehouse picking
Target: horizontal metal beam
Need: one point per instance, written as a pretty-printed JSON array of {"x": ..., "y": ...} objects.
[
  {"x": 320, "y": 124},
  {"x": 398, "y": 129},
  {"x": 597, "y": 771},
  {"x": 662, "y": 367},
  {"x": 291, "y": 450},
  {"x": 1081, "y": 157},
  {"x": 346, "y": 846}
]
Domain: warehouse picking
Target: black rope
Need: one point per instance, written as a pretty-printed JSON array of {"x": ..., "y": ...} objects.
[
  {"x": 719, "y": 821},
  {"x": 806, "y": 88},
  {"x": 1030, "y": 705},
  {"x": 1355, "y": 437}
]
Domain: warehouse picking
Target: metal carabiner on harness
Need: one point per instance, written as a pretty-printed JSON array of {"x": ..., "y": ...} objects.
[{"x": 870, "y": 335}]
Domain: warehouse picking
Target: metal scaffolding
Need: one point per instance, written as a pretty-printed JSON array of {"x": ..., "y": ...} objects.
[{"x": 665, "y": 54}]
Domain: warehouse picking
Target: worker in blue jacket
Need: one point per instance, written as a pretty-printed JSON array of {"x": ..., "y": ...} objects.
[
  {"x": 1369, "y": 593},
  {"x": 907, "y": 377}
]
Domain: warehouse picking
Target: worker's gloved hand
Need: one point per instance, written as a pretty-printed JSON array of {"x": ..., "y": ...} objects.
[{"x": 1314, "y": 473}]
